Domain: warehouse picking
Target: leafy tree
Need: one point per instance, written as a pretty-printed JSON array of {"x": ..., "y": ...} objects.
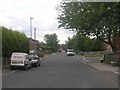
[
  {"x": 69, "y": 43},
  {"x": 51, "y": 41},
  {"x": 97, "y": 19},
  {"x": 80, "y": 42},
  {"x": 97, "y": 45}
]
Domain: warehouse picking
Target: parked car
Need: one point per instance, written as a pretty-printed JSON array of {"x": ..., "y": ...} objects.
[
  {"x": 70, "y": 52},
  {"x": 20, "y": 60},
  {"x": 35, "y": 60}
]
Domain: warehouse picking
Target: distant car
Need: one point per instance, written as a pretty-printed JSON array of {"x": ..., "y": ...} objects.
[
  {"x": 20, "y": 60},
  {"x": 35, "y": 60},
  {"x": 70, "y": 52}
]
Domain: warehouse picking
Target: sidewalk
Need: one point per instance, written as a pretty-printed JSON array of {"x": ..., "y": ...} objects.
[{"x": 104, "y": 68}]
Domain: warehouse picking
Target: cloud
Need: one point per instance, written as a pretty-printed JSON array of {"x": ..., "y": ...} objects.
[{"x": 16, "y": 14}]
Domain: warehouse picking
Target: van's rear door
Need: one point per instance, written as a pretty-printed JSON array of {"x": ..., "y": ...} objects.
[{"x": 17, "y": 59}]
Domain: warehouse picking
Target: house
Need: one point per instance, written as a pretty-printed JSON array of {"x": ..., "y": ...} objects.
[
  {"x": 108, "y": 48},
  {"x": 34, "y": 46}
]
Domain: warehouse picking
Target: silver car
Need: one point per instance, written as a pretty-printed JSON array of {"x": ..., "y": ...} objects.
[{"x": 35, "y": 60}]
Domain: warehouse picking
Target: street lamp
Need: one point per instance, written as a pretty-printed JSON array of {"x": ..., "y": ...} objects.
[{"x": 31, "y": 27}]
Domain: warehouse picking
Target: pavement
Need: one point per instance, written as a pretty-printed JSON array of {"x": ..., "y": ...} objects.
[{"x": 95, "y": 63}]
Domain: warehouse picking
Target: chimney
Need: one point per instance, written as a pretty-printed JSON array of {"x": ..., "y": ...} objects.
[{"x": 35, "y": 33}]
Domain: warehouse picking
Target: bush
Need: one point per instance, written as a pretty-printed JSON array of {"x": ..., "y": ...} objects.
[
  {"x": 41, "y": 54},
  {"x": 13, "y": 41}
]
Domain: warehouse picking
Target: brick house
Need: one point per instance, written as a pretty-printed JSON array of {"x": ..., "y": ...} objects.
[
  {"x": 34, "y": 45},
  {"x": 108, "y": 48},
  {"x": 112, "y": 57}
]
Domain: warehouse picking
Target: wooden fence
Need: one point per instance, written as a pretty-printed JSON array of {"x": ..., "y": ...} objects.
[{"x": 5, "y": 62}]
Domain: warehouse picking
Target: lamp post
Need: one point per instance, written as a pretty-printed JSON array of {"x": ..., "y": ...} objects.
[{"x": 31, "y": 27}]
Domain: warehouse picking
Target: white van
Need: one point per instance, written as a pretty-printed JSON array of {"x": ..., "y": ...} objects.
[
  {"x": 70, "y": 52},
  {"x": 20, "y": 60}
]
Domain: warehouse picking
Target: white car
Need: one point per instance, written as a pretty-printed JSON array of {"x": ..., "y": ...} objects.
[
  {"x": 70, "y": 52},
  {"x": 35, "y": 60},
  {"x": 20, "y": 60}
]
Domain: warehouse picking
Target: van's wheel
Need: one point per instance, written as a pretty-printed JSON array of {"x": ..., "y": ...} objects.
[
  {"x": 30, "y": 65},
  {"x": 11, "y": 67},
  {"x": 36, "y": 65},
  {"x": 39, "y": 64}
]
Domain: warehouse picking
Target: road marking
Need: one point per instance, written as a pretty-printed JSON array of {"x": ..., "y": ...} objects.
[
  {"x": 53, "y": 53},
  {"x": 83, "y": 59},
  {"x": 116, "y": 72}
]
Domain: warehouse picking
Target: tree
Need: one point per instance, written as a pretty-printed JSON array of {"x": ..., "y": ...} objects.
[
  {"x": 98, "y": 19},
  {"x": 80, "y": 42},
  {"x": 51, "y": 41},
  {"x": 69, "y": 43}
]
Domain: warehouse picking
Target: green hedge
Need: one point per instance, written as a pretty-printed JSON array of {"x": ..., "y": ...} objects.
[{"x": 13, "y": 41}]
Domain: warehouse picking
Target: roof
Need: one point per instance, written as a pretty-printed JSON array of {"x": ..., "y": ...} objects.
[
  {"x": 33, "y": 40},
  {"x": 21, "y": 53}
]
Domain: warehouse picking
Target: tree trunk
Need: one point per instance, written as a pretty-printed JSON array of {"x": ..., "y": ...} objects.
[
  {"x": 114, "y": 42},
  {"x": 114, "y": 49}
]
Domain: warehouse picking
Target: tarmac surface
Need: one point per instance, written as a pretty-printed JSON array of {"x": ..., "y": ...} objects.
[
  {"x": 58, "y": 71},
  {"x": 94, "y": 63}
]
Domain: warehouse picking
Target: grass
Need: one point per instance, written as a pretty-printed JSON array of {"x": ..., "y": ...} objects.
[{"x": 95, "y": 54}]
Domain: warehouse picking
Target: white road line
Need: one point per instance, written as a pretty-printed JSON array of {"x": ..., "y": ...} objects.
[
  {"x": 53, "y": 53},
  {"x": 116, "y": 72},
  {"x": 84, "y": 60}
]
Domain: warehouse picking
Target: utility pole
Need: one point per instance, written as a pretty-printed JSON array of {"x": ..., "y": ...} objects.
[{"x": 31, "y": 27}]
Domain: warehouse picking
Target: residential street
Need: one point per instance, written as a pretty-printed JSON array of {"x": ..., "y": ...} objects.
[{"x": 58, "y": 71}]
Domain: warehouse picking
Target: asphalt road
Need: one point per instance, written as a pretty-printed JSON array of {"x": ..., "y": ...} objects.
[{"x": 58, "y": 71}]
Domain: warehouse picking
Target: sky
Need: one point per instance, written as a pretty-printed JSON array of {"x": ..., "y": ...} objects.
[{"x": 16, "y": 14}]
